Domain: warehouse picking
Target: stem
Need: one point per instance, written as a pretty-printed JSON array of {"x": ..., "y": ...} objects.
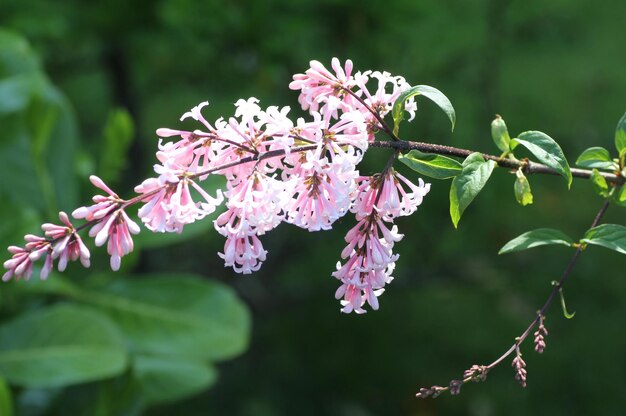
[
  {"x": 527, "y": 166},
  {"x": 382, "y": 122},
  {"x": 553, "y": 292}
]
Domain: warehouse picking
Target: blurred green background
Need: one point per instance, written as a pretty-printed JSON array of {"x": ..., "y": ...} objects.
[{"x": 83, "y": 87}]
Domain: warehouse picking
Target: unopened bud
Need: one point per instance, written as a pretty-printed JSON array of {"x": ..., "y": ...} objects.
[{"x": 500, "y": 134}]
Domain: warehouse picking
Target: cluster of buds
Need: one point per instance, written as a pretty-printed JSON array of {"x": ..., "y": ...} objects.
[
  {"x": 519, "y": 365},
  {"x": 540, "y": 336},
  {"x": 302, "y": 173}
]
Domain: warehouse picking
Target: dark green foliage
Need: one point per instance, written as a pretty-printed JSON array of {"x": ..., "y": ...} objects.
[{"x": 552, "y": 66}]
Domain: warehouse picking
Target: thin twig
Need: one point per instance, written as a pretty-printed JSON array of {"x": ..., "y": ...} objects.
[{"x": 436, "y": 390}]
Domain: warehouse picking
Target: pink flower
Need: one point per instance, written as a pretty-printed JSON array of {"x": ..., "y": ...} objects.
[
  {"x": 319, "y": 84},
  {"x": 244, "y": 254},
  {"x": 386, "y": 194},
  {"x": 111, "y": 223},
  {"x": 103, "y": 205},
  {"x": 20, "y": 265},
  {"x": 255, "y": 206},
  {"x": 321, "y": 192},
  {"x": 116, "y": 228},
  {"x": 370, "y": 262},
  {"x": 67, "y": 244}
]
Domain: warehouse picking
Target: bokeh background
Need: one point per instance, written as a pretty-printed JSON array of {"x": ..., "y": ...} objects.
[{"x": 121, "y": 69}]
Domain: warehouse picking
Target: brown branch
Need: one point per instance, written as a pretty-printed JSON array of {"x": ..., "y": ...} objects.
[
  {"x": 528, "y": 166},
  {"x": 479, "y": 372}
]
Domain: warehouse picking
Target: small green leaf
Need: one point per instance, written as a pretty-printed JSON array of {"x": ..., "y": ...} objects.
[
  {"x": 536, "y": 238},
  {"x": 59, "y": 346},
  {"x": 500, "y": 134},
  {"x": 546, "y": 150},
  {"x": 6, "y": 399},
  {"x": 596, "y": 157},
  {"x": 620, "y": 135},
  {"x": 476, "y": 171},
  {"x": 166, "y": 378},
  {"x": 522, "y": 189},
  {"x": 429, "y": 92},
  {"x": 599, "y": 183},
  {"x": 611, "y": 236},
  {"x": 434, "y": 166}
]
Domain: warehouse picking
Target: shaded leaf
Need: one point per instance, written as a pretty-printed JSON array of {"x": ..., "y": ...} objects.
[
  {"x": 546, "y": 150},
  {"x": 60, "y": 346},
  {"x": 431, "y": 165},
  {"x": 176, "y": 315},
  {"x": 536, "y": 238},
  {"x": 165, "y": 378},
  {"x": 465, "y": 186},
  {"x": 611, "y": 236}
]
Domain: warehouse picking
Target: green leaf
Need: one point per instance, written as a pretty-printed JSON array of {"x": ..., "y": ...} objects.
[
  {"x": 59, "y": 346},
  {"x": 6, "y": 399},
  {"x": 166, "y": 379},
  {"x": 500, "y": 134},
  {"x": 118, "y": 136},
  {"x": 16, "y": 55},
  {"x": 611, "y": 236},
  {"x": 476, "y": 171},
  {"x": 431, "y": 93},
  {"x": 521, "y": 187},
  {"x": 599, "y": 183},
  {"x": 434, "y": 166},
  {"x": 620, "y": 135},
  {"x": 536, "y": 238},
  {"x": 546, "y": 150},
  {"x": 596, "y": 157},
  {"x": 176, "y": 315}
]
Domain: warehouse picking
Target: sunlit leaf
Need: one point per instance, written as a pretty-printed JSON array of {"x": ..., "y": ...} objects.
[
  {"x": 599, "y": 183},
  {"x": 536, "y": 238},
  {"x": 500, "y": 134},
  {"x": 431, "y": 93},
  {"x": 476, "y": 171},
  {"x": 523, "y": 195},
  {"x": 596, "y": 157},
  {"x": 611, "y": 236},
  {"x": 546, "y": 150}
]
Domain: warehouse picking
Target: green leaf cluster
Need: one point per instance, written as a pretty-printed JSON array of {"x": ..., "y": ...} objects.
[
  {"x": 599, "y": 158},
  {"x": 163, "y": 332}
]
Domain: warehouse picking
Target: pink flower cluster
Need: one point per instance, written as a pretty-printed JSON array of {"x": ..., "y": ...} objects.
[{"x": 276, "y": 170}]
